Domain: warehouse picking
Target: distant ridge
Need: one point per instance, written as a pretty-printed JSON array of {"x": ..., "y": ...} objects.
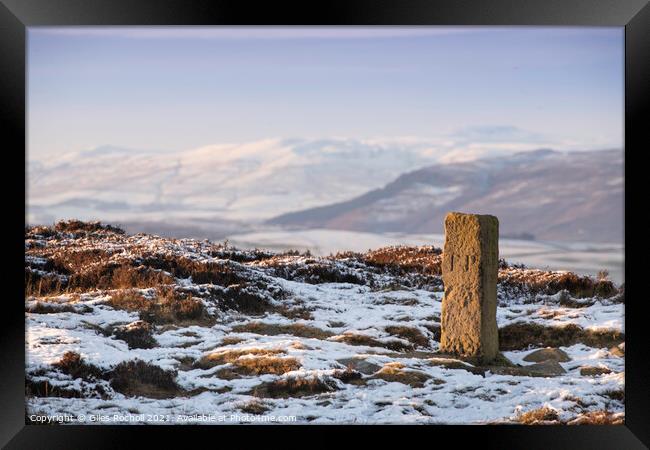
[{"x": 543, "y": 194}]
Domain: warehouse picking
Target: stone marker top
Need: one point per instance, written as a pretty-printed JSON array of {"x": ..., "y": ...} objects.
[
  {"x": 469, "y": 273},
  {"x": 474, "y": 228}
]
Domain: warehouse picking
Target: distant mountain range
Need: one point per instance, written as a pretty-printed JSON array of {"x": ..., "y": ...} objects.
[
  {"x": 245, "y": 183},
  {"x": 403, "y": 185},
  {"x": 544, "y": 194}
]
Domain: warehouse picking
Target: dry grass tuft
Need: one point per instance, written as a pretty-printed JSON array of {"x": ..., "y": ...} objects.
[
  {"x": 244, "y": 299},
  {"x": 76, "y": 226},
  {"x": 411, "y": 334},
  {"x": 349, "y": 375},
  {"x": 598, "y": 418},
  {"x": 223, "y": 274},
  {"x": 540, "y": 416},
  {"x": 398, "y": 259},
  {"x": 311, "y": 270},
  {"x": 45, "y": 389},
  {"x": 521, "y": 335},
  {"x": 167, "y": 306},
  {"x": 594, "y": 371},
  {"x": 139, "y": 378},
  {"x": 259, "y": 365},
  {"x": 293, "y": 387},
  {"x": 254, "y": 407},
  {"x": 618, "y": 395},
  {"x": 549, "y": 283},
  {"x": 219, "y": 358},
  {"x": 100, "y": 276},
  {"x": 360, "y": 339},
  {"x": 136, "y": 335},
  {"x": 53, "y": 308},
  {"x": 231, "y": 341},
  {"x": 394, "y": 372},
  {"x": 37, "y": 284},
  {"x": 72, "y": 364},
  {"x": 294, "y": 329}
]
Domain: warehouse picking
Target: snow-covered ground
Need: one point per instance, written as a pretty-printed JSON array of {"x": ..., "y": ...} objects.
[{"x": 396, "y": 380}]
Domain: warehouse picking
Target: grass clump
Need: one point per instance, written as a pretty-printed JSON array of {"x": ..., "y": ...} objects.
[
  {"x": 399, "y": 259},
  {"x": 598, "y": 418},
  {"x": 137, "y": 335},
  {"x": 540, "y": 416},
  {"x": 53, "y": 308},
  {"x": 139, "y": 378},
  {"x": 550, "y": 283},
  {"x": 349, "y": 375},
  {"x": 76, "y": 226},
  {"x": 312, "y": 271},
  {"x": 254, "y": 407},
  {"x": 294, "y": 387},
  {"x": 244, "y": 299},
  {"x": 72, "y": 364},
  {"x": 410, "y": 334},
  {"x": 271, "y": 329},
  {"x": 394, "y": 372},
  {"x": 618, "y": 395},
  {"x": 258, "y": 365},
  {"x": 361, "y": 339},
  {"x": 231, "y": 355},
  {"x": 43, "y": 388},
  {"x": 522, "y": 335},
  {"x": 167, "y": 306},
  {"x": 38, "y": 284},
  {"x": 101, "y": 276},
  {"x": 223, "y": 274}
]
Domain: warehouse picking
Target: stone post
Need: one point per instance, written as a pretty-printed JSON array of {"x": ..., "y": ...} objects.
[{"x": 469, "y": 272}]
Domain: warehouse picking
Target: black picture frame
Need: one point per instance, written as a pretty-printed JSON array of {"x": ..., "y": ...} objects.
[{"x": 16, "y": 15}]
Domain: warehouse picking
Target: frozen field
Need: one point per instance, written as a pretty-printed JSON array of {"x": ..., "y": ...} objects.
[{"x": 225, "y": 336}]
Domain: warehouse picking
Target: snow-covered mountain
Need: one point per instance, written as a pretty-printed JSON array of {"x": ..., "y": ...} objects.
[
  {"x": 231, "y": 182},
  {"x": 220, "y": 190},
  {"x": 549, "y": 195}
]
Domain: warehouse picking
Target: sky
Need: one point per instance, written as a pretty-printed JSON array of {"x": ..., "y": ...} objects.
[{"x": 178, "y": 88}]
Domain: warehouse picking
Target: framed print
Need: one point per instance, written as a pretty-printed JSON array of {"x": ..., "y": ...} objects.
[{"x": 353, "y": 216}]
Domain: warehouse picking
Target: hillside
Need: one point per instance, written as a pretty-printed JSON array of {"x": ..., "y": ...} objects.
[
  {"x": 545, "y": 195},
  {"x": 133, "y": 325},
  {"x": 216, "y": 186}
]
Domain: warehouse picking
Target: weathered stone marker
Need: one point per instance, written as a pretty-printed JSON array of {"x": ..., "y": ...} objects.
[{"x": 469, "y": 272}]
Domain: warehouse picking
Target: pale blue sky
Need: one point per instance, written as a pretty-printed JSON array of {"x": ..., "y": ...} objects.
[{"x": 180, "y": 88}]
